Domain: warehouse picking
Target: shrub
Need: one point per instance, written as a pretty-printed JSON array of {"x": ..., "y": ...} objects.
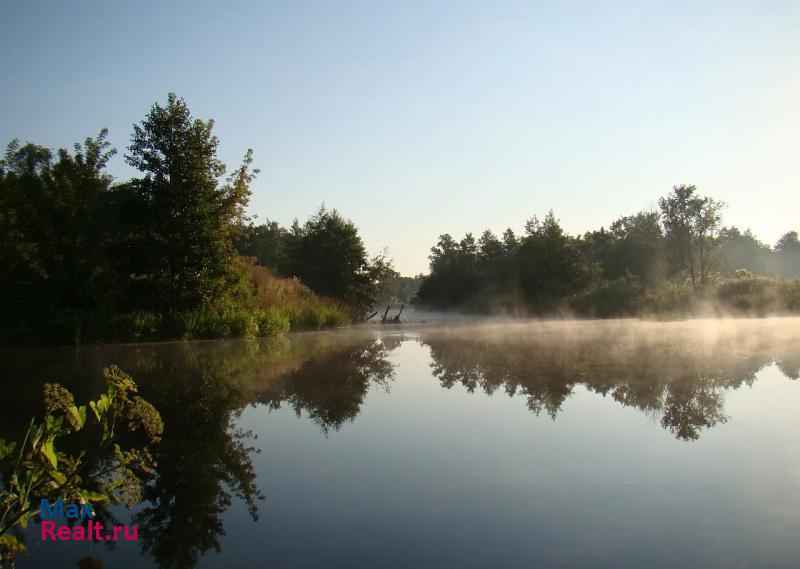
[
  {"x": 617, "y": 297},
  {"x": 752, "y": 295}
]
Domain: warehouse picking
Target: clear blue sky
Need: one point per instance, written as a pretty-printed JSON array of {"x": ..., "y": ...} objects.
[{"x": 420, "y": 118}]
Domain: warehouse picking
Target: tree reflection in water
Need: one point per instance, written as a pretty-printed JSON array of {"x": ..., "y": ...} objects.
[
  {"x": 204, "y": 460},
  {"x": 677, "y": 370},
  {"x": 331, "y": 389}
]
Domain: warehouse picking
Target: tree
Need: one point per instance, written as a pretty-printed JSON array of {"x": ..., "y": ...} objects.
[
  {"x": 691, "y": 223},
  {"x": 51, "y": 234},
  {"x": 742, "y": 250},
  {"x": 190, "y": 216},
  {"x": 787, "y": 254},
  {"x": 551, "y": 267},
  {"x": 638, "y": 248},
  {"x": 329, "y": 257},
  {"x": 265, "y": 242},
  {"x": 788, "y": 243},
  {"x": 454, "y": 272}
]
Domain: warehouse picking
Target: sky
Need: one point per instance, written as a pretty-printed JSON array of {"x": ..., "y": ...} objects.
[{"x": 417, "y": 118}]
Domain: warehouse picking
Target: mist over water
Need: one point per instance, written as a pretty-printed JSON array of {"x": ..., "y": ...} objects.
[{"x": 616, "y": 443}]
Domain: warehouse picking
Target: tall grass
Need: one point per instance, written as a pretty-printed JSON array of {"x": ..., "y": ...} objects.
[{"x": 289, "y": 301}]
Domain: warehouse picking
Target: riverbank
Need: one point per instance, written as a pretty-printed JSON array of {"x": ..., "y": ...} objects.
[
  {"x": 746, "y": 296},
  {"x": 263, "y": 305}
]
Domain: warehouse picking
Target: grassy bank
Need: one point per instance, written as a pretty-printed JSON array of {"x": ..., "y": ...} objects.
[{"x": 262, "y": 305}]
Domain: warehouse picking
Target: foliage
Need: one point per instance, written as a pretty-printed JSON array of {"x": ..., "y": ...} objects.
[
  {"x": 51, "y": 222},
  {"x": 758, "y": 295},
  {"x": 188, "y": 218},
  {"x": 328, "y": 256},
  {"x": 674, "y": 262},
  {"x": 397, "y": 289},
  {"x": 633, "y": 245},
  {"x": 787, "y": 255},
  {"x": 742, "y": 250},
  {"x": 691, "y": 224},
  {"x": 454, "y": 277},
  {"x": 612, "y": 298},
  {"x": 543, "y": 267},
  {"x": 86, "y": 259},
  {"x": 265, "y": 242},
  {"x": 286, "y": 303},
  {"x": 107, "y": 468},
  {"x": 551, "y": 266}
]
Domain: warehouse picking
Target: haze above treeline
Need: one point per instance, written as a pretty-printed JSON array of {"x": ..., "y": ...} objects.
[{"x": 173, "y": 252}]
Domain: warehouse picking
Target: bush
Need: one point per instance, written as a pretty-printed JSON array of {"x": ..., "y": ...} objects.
[
  {"x": 789, "y": 290},
  {"x": 759, "y": 296},
  {"x": 617, "y": 297}
]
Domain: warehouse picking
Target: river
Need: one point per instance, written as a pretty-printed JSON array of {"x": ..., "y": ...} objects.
[{"x": 615, "y": 444}]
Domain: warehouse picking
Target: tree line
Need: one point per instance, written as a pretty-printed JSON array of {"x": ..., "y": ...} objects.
[
  {"x": 172, "y": 252},
  {"x": 85, "y": 257},
  {"x": 665, "y": 260}
]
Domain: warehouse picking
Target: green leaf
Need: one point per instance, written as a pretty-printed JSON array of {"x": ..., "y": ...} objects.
[
  {"x": 37, "y": 434},
  {"x": 58, "y": 477},
  {"x": 93, "y": 407},
  {"x": 49, "y": 452},
  {"x": 75, "y": 419},
  {"x": 12, "y": 544},
  {"x": 95, "y": 497},
  {"x": 6, "y": 448}
]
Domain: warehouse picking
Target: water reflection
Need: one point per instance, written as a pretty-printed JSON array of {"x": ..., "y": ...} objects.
[
  {"x": 200, "y": 389},
  {"x": 677, "y": 372},
  {"x": 331, "y": 389}
]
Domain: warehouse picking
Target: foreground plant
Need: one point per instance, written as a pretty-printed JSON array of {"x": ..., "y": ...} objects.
[{"x": 105, "y": 464}]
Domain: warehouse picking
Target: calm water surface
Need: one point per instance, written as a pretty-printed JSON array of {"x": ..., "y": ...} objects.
[{"x": 599, "y": 444}]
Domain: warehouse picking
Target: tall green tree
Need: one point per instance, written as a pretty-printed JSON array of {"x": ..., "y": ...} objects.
[
  {"x": 742, "y": 250},
  {"x": 191, "y": 216},
  {"x": 551, "y": 266},
  {"x": 328, "y": 256},
  {"x": 639, "y": 247},
  {"x": 692, "y": 223},
  {"x": 454, "y": 274},
  {"x": 51, "y": 235},
  {"x": 787, "y": 255},
  {"x": 264, "y": 242}
]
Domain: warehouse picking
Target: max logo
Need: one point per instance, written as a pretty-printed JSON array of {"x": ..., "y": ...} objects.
[{"x": 72, "y": 511}]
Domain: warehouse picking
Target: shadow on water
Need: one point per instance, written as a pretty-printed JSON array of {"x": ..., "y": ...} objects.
[{"x": 679, "y": 372}]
